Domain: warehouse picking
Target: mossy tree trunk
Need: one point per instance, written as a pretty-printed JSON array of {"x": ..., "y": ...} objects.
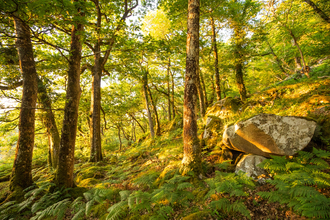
[
  {"x": 50, "y": 124},
  {"x": 191, "y": 146},
  {"x": 172, "y": 96},
  {"x": 200, "y": 93},
  {"x": 145, "y": 92},
  {"x": 153, "y": 104},
  {"x": 22, "y": 169},
  {"x": 239, "y": 37},
  {"x": 216, "y": 68},
  {"x": 169, "y": 90},
  {"x": 64, "y": 172},
  {"x": 204, "y": 90}
]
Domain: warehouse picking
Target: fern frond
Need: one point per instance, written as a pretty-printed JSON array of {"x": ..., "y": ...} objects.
[
  {"x": 124, "y": 194},
  {"x": 184, "y": 185},
  {"x": 79, "y": 215},
  {"x": 117, "y": 210}
]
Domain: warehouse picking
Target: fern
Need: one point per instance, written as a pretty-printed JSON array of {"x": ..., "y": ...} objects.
[
  {"x": 58, "y": 209},
  {"x": 225, "y": 205},
  {"x": 296, "y": 184}
]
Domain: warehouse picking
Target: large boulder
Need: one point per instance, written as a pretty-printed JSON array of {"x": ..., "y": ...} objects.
[
  {"x": 266, "y": 134},
  {"x": 248, "y": 164}
]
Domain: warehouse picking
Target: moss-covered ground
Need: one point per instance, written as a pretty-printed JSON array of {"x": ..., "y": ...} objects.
[{"x": 142, "y": 181}]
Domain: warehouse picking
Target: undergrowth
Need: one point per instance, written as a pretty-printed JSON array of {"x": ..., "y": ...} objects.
[{"x": 298, "y": 182}]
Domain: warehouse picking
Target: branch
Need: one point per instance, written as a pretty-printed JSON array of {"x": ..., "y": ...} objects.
[
  {"x": 105, "y": 121},
  {"x": 13, "y": 86},
  {"x": 318, "y": 10},
  {"x": 112, "y": 40}
]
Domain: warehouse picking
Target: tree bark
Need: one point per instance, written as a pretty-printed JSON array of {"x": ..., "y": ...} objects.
[
  {"x": 95, "y": 125},
  {"x": 212, "y": 91},
  {"x": 204, "y": 90},
  {"x": 119, "y": 136},
  {"x": 216, "y": 68},
  {"x": 155, "y": 111},
  {"x": 169, "y": 90},
  {"x": 318, "y": 10},
  {"x": 200, "y": 93},
  {"x": 306, "y": 68},
  {"x": 239, "y": 62},
  {"x": 172, "y": 96},
  {"x": 137, "y": 123},
  {"x": 22, "y": 169},
  {"x": 64, "y": 173},
  {"x": 145, "y": 92},
  {"x": 191, "y": 145},
  {"x": 50, "y": 124}
]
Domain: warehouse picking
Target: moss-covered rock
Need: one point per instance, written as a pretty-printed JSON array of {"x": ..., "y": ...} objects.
[
  {"x": 89, "y": 182},
  {"x": 90, "y": 172},
  {"x": 224, "y": 108}
]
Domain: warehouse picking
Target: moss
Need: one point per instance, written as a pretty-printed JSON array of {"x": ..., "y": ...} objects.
[
  {"x": 100, "y": 210},
  {"x": 4, "y": 191},
  {"x": 89, "y": 182},
  {"x": 200, "y": 193},
  {"x": 78, "y": 192},
  {"x": 198, "y": 216},
  {"x": 90, "y": 172}
]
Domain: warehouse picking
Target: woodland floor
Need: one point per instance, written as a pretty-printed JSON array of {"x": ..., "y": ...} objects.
[{"x": 148, "y": 164}]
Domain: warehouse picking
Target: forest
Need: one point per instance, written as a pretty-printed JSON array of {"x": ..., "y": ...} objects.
[{"x": 167, "y": 109}]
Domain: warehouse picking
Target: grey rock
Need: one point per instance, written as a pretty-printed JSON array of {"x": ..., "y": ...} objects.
[
  {"x": 248, "y": 164},
  {"x": 271, "y": 134}
]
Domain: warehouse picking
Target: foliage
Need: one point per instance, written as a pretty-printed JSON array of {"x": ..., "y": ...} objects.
[
  {"x": 298, "y": 181},
  {"x": 160, "y": 203},
  {"x": 232, "y": 185}
]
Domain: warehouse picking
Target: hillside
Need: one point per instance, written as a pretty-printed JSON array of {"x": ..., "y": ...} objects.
[{"x": 143, "y": 180}]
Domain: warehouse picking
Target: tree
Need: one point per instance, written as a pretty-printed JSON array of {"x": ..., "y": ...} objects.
[
  {"x": 216, "y": 67},
  {"x": 22, "y": 168},
  {"x": 98, "y": 67},
  {"x": 191, "y": 146},
  {"x": 50, "y": 124},
  {"x": 64, "y": 172}
]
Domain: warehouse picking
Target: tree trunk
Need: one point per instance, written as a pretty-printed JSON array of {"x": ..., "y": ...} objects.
[
  {"x": 216, "y": 68},
  {"x": 50, "y": 124},
  {"x": 239, "y": 80},
  {"x": 200, "y": 93},
  {"x": 95, "y": 125},
  {"x": 204, "y": 90},
  {"x": 155, "y": 111},
  {"x": 239, "y": 63},
  {"x": 172, "y": 96},
  {"x": 145, "y": 92},
  {"x": 191, "y": 147},
  {"x": 169, "y": 90},
  {"x": 64, "y": 174},
  {"x": 212, "y": 91},
  {"x": 318, "y": 10},
  {"x": 119, "y": 136},
  {"x": 21, "y": 174},
  {"x": 137, "y": 123},
  {"x": 277, "y": 60}
]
